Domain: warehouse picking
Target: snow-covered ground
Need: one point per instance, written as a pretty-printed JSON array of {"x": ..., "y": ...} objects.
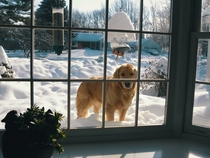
[{"x": 84, "y": 64}]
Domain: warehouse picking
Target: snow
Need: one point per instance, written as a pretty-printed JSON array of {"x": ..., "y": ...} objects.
[
  {"x": 121, "y": 21},
  {"x": 84, "y": 64},
  {"x": 206, "y": 15}
]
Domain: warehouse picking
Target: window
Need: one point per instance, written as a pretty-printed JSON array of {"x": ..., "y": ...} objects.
[
  {"x": 198, "y": 116},
  {"x": 50, "y": 47}
]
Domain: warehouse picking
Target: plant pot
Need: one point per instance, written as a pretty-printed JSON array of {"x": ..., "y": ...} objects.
[{"x": 43, "y": 152}]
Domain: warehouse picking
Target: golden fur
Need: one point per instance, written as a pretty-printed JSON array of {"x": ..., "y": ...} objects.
[{"x": 119, "y": 95}]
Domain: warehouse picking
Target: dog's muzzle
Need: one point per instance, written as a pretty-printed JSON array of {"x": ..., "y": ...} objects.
[{"x": 128, "y": 85}]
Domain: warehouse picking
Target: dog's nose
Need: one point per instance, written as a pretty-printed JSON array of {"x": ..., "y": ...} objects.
[{"x": 127, "y": 84}]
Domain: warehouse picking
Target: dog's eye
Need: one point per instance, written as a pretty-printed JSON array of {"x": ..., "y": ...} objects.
[
  {"x": 131, "y": 74},
  {"x": 122, "y": 74}
]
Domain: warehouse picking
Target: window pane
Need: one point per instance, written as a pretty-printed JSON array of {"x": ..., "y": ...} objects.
[
  {"x": 157, "y": 16},
  {"x": 48, "y": 62},
  {"x": 124, "y": 15},
  {"x": 14, "y": 96},
  {"x": 120, "y": 106},
  {"x": 154, "y": 57},
  {"x": 203, "y": 60},
  {"x": 15, "y": 12},
  {"x": 201, "y": 109},
  {"x": 152, "y": 103},
  {"x": 88, "y": 14},
  {"x": 52, "y": 95},
  {"x": 205, "y": 16},
  {"x": 86, "y": 112},
  {"x": 15, "y": 53},
  {"x": 87, "y": 54},
  {"x": 122, "y": 48},
  {"x": 51, "y": 13}
]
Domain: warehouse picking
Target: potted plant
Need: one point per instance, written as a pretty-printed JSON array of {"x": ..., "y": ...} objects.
[{"x": 34, "y": 133}]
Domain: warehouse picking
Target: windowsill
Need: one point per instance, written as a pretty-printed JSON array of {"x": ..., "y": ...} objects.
[{"x": 156, "y": 148}]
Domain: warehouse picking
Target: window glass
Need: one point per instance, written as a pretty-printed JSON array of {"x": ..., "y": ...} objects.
[
  {"x": 205, "y": 16},
  {"x": 111, "y": 66},
  {"x": 52, "y": 95},
  {"x": 88, "y": 14},
  {"x": 13, "y": 96},
  {"x": 156, "y": 16},
  {"x": 86, "y": 111},
  {"x": 15, "y": 51},
  {"x": 203, "y": 55},
  {"x": 51, "y": 54},
  {"x": 201, "y": 109},
  {"x": 51, "y": 13},
  {"x": 201, "y": 95},
  {"x": 87, "y": 54},
  {"x": 15, "y": 12},
  {"x": 152, "y": 103},
  {"x": 124, "y": 15},
  {"x": 154, "y": 56}
]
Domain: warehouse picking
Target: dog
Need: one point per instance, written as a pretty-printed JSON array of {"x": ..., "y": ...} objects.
[{"x": 119, "y": 95}]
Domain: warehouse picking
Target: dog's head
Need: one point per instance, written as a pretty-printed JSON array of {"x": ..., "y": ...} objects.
[{"x": 126, "y": 72}]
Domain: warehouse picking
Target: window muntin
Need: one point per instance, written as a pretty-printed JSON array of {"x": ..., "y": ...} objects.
[{"x": 105, "y": 71}]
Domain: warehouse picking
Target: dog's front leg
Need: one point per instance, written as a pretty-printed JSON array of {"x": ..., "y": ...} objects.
[
  {"x": 122, "y": 114},
  {"x": 109, "y": 113}
]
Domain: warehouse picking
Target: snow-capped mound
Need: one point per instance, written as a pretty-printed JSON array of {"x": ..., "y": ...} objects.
[
  {"x": 121, "y": 21},
  {"x": 5, "y": 65}
]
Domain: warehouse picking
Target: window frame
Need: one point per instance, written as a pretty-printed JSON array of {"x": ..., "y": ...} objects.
[
  {"x": 189, "y": 127},
  {"x": 191, "y": 131},
  {"x": 175, "y": 116}
]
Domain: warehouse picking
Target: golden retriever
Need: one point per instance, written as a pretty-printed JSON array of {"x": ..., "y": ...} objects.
[{"x": 119, "y": 95}]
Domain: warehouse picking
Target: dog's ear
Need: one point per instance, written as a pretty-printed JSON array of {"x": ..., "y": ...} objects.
[
  {"x": 116, "y": 73},
  {"x": 135, "y": 71}
]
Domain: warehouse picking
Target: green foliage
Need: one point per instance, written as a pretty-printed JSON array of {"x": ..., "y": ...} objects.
[
  {"x": 43, "y": 15},
  {"x": 42, "y": 128},
  {"x": 14, "y": 11},
  {"x": 9, "y": 73}
]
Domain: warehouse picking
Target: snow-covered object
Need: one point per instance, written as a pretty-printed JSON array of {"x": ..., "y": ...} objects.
[
  {"x": 5, "y": 65},
  {"x": 2, "y": 69},
  {"x": 4, "y": 57},
  {"x": 120, "y": 21},
  {"x": 160, "y": 65}
]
